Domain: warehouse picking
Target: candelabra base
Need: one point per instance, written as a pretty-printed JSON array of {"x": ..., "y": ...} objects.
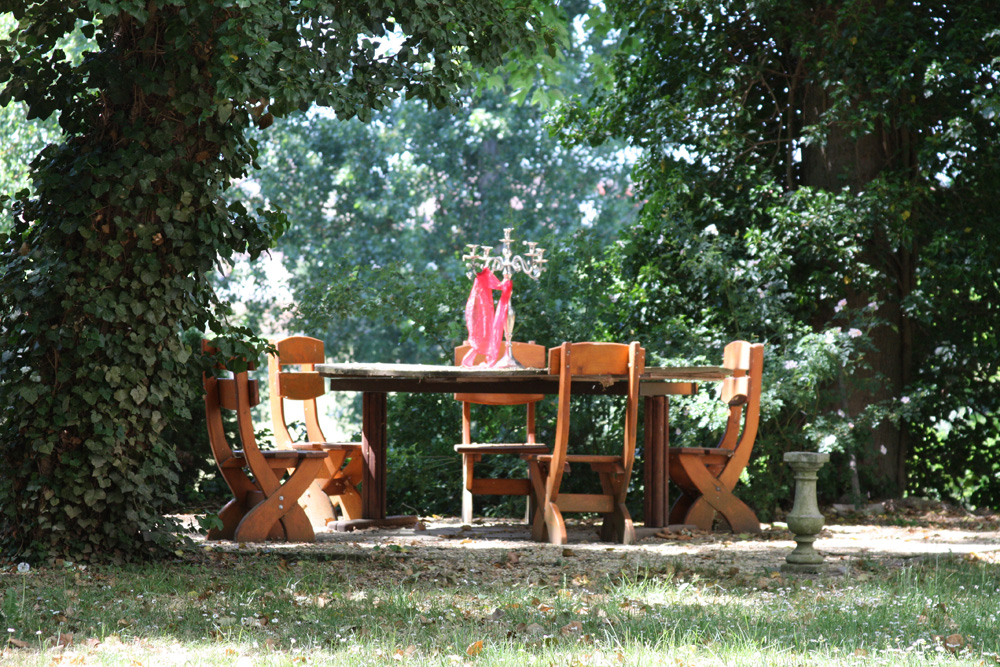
[{"x": 508, "y": 361}]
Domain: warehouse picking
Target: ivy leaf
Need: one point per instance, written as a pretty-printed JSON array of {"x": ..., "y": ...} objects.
[
  {"x": 91, "y": 496},
  {"x": 30, "y": 393},
  {"x": 139, "y": 394}
]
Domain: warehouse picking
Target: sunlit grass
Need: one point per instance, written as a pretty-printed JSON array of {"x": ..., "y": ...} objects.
[{"x": 261, "y": 609}]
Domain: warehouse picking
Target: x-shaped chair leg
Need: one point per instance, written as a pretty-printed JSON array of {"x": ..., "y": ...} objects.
[
  {"x": 233, "y": 511},
  {"x": 282, "y": 505},
  {"x": 617, "y": 525},
  {"x": 537, "y": 473},
  {"x": 341, "y": 491},
  {"x": 230, "y": 515},
  {"x": 716, "y": 496},
  {"x": 548, "y": 524}
]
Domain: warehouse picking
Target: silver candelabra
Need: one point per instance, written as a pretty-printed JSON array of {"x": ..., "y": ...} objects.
[{"x": 479, "y": 257}]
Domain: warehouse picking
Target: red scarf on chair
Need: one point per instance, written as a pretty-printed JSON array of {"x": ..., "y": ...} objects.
[{"x": 486, "y": 326}]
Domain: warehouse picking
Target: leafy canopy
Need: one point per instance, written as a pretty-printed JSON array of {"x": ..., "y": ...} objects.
[{"x": 823, "y": 170}]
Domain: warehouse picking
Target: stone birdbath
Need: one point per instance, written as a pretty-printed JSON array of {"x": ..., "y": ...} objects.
[{"x": 805, "y": 519}]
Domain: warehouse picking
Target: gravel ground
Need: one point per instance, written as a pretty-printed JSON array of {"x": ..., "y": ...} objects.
[{"x": 501, "y": 550}]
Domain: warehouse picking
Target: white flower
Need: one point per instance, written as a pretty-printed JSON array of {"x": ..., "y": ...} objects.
[
  {"x": 884, "y": 450},
  {"x": 23, "y": 568},
  {"x": 789, "y": 365},
  {"x": 905, "y": 399},
  {"x": 854, "y": 333},
  {"x": 840, "y": 305},
  {"x": 711, "y": 230}
]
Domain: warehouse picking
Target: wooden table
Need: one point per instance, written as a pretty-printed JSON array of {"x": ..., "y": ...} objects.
[{"x": 376, "y": 381}]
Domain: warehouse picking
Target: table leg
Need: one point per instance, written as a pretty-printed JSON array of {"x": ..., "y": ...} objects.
[
  {"x": 656, "y": 505},
  {"x": 374, "y": 419},
  {"x": 373, "y": 452}
]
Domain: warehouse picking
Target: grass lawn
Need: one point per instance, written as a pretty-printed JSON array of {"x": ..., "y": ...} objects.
[{"x": 422, "y": 606}]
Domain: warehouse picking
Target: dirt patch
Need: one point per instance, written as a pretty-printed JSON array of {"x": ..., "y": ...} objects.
[{"x": 441, "y": 550}]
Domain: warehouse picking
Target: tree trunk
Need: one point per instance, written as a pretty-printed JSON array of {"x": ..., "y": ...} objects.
[{"x": 846, "y": 159}]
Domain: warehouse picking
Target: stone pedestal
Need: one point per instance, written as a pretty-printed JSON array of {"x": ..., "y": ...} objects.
[{"x": 805, "y": 519}]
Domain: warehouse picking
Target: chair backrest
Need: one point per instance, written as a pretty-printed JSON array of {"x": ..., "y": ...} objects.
[
  {"x": 529, "y": 355},
  {"x": 303, "y": 385},
  {"x": 742, "y": 394},
  {"x": 570, "y": 360},
  {"x": 236, "y": 392}
]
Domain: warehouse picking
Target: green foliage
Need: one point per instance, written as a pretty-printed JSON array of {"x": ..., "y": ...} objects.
[
  {"x": 22, "y": 140},
  {"x": 819, "y": 178},
  {"x": 109, "y": 258}
]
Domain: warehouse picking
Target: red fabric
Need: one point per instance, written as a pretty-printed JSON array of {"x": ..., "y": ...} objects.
[{"x": 485, "y": 324}]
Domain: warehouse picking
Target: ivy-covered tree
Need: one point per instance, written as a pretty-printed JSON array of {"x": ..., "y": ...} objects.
[
  {"x": 821, "y": 176},
  {"x": 106, "y": 261}
]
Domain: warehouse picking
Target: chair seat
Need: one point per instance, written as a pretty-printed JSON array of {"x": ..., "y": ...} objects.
[
  {"x": 293, "y": 453},
  {"x": 501, "y": 448},
  {"x": 327, "y": 446},
  {"x": 286, "y": 456},
  {"x": 584, "y": 458},
  {"x": 598, "y": 462},
  {"x": 702, "y": 451}
]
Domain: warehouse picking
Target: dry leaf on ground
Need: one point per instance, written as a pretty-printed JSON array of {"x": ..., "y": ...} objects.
[{"x": 954, "y": 642}]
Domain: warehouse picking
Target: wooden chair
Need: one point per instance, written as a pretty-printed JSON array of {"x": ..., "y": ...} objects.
[
  {"x": 265, "y": 502},
  {"x": 337, "y": 482},
  {"x": 571, "y": 360},
  {"x": 530, "y": 355},
  {"x": 706, "y": 476}
]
